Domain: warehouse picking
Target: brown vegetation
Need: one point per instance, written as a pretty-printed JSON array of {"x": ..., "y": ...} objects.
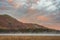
[{"x": 29, "y": 37}]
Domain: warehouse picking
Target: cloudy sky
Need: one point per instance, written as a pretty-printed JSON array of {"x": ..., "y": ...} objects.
[{"x": 43, "y": 12}]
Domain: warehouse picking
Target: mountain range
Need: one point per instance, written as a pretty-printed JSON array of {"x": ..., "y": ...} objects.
[{"x": 9, "y": 24}]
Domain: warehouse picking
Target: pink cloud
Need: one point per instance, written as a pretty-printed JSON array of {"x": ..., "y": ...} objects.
[
  {"x": 43, "y": 18},
  {"x": 52, "y": 26},
  {"x": 10, "y": 1}
]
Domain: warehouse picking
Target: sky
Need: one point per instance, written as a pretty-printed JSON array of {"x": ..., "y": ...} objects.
[{"x": 42, "y": 12}]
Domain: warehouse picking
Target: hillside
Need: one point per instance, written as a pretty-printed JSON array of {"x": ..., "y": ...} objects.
[{"x": 9, "y": 24}]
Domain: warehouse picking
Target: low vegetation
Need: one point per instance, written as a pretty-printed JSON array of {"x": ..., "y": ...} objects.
[{"x": 28, "y": 31}]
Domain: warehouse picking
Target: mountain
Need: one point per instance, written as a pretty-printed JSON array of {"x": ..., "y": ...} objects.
[{"x": 10, "y": 24}]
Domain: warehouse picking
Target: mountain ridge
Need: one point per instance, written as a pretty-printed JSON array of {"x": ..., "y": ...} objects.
[
  {"x": 9, "y": 23},
  {"x": 9, "y": 19}
]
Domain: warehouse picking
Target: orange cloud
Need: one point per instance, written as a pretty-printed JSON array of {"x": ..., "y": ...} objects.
[
  {"x": 10, "y": 1},
  {"x": 56, "y": 27},
  {"x": 15, "y": 5},
  {"x": 26, "y": 20},
  {"x": 43, "y": 18},
  {"x": 53, "y": 26},
  {"x": 23, "y": 20}
]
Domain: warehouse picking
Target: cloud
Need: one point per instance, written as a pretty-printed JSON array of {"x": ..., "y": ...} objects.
[
  {"x": 55, "y": 26},
  {"x": 24, "y": 20},
  {"x": 47, "y": 14},
  {"x": 43, "y": 18},
  {"x": 10, "y": 1}
]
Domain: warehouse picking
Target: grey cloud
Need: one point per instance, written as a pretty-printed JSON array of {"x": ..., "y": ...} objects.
[{"x": 22, "y": 13}]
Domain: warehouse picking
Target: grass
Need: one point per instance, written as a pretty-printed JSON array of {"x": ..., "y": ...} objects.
[{"x": 29, "y": 37}]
